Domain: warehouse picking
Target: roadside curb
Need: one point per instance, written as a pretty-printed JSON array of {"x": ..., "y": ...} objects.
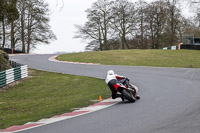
[
  {"x": 82, "y": 111},
  {"x": 53, "y": 58}
]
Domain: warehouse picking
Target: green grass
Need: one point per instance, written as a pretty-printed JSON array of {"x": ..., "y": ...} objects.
[
  {"x": 47, "y": 94},
  {"x": 157, "y": 58}
]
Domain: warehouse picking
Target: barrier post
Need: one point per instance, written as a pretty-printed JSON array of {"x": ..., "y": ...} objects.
[{"x": 179, "y": 46}]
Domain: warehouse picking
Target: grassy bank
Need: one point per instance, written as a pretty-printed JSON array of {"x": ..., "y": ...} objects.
[
  {"x": 47, "y": 94},
  {"x": 158, "y": 58}
]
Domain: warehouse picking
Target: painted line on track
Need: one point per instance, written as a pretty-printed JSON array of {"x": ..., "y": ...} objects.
[{"x": 82, "y": 111}]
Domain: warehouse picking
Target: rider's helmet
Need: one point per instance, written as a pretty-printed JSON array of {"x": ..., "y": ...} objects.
[{"x": 110, "y": 72}]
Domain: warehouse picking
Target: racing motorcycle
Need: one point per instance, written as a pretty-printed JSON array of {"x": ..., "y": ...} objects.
[{"x": 128, "y": 92}]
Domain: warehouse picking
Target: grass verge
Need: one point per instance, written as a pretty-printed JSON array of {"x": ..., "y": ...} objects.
[
  {"x": 47, "y": 94},
  {"x": 156, "y": 58}
]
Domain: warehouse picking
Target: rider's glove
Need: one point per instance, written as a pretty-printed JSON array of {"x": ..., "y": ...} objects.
[{"x": 127, "y": 79}]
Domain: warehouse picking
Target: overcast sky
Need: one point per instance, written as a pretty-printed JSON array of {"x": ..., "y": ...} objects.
[{"x": 62, "y": 20}]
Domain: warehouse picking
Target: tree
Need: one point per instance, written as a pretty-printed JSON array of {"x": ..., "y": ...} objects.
[
  {"x": 173, "y": 21},
  {"x": 195, "y": 20},
  {"x": 120, "y": 24},
  {"x": 38, "y": 29},
  {"x": 141, "y": 8},
  {"x": 156, "y": 23},
  {"x": 97, "y": 27},
  {"x": 8, "y": 11},
  {"x": 2, "y": 18},
  {"x": 195, "y": 5},
  {"x": 28, "y": 23},
  {"x": 13, "y": 15},
  {"x": 22, "y": 6},
  {"x": 123, "y": 20}
]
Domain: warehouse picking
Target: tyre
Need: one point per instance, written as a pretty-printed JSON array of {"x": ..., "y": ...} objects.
[{"x": 128, "y": 96}]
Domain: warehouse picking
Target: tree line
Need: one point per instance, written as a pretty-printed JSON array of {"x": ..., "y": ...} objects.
[
  {"x": 121, "y": 24},
  {"x": 24, "y": 24}
]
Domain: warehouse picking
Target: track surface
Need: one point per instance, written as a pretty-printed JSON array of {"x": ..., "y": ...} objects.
[{"x": 170, "y": 100}]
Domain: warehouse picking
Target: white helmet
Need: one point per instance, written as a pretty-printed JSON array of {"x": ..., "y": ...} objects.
[{"x": 110, "y": 72}]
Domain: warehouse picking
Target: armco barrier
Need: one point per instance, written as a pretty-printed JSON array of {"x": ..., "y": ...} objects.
[
  {"x": 183, "y": 46},
  {"x": 9, "y": 51},
  {"x": 191, "y": 47},
  {"x": 14, "y": 64},
  {"x": 171, "y": 48},
  {"x": 12, "y": 75}
]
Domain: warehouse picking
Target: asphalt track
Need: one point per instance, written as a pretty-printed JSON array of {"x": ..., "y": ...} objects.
[{"x": 170, "y": 100}]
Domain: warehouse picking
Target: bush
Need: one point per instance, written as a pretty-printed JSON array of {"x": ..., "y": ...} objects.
[{"x": 4, "y": 61}]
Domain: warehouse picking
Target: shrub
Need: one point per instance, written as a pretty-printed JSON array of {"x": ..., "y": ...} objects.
[{"x": 4, "y": 61}]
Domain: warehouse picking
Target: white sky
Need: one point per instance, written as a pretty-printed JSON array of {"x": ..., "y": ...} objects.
[{"x": 62, "y": 22}]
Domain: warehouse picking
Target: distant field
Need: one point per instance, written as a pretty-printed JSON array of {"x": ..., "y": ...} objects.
[{"x": 156, "y": 58}]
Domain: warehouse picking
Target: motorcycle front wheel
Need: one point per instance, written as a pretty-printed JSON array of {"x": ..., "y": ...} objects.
[{"x": 128, "y": 95}]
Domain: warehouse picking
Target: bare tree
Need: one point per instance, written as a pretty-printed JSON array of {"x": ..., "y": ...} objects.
[
  {"x": 28, "y": 22},
  {"x": 156, "y": 22},
  {"x": 123, "y": 20},
  {"x": 141, "y": 7},
  {"x": 97, "y": 27},
  {"x": 37, "y": 24},
  {"x": 173, "y": 21},
  {"x": 9, "y": 13},
  {"x": 195, "y": 5},
  {"x": 22, "y": 7},
  {"x": 120, "y": 24},
  {"x": 2, "y": 19},
  {"x": 13, "y": 15}
]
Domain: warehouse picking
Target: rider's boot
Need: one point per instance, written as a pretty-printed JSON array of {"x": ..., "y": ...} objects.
[
  {"x": 118, "y": 95},
  {"x": 137, "y": 97},
  {"x": 122, "y": 98}
]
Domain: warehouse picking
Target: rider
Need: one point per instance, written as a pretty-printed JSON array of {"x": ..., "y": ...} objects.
[{"x": 112, "y": 79}]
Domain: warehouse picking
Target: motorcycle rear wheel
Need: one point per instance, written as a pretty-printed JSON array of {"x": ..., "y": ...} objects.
[{"x": 128, "y": 96}]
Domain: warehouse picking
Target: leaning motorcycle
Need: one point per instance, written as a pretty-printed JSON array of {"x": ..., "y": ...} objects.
[{"x": 129, "y": 93}]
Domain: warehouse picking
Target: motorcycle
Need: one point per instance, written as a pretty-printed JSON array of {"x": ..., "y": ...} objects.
[{"x": 128, "y": 92}]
